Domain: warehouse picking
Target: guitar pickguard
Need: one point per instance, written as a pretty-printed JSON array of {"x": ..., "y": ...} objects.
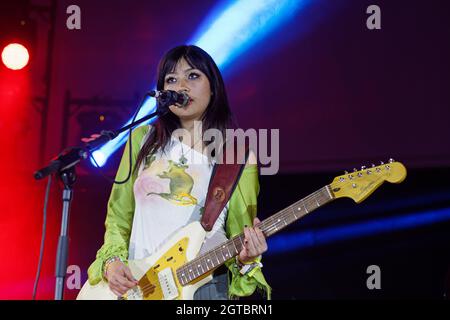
[
  {"x": 179, "y": 250},
  {"x": 175, "y": 257}
]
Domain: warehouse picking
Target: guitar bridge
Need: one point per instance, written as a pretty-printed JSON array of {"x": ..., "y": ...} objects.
[{"x": 133, "y": 294}]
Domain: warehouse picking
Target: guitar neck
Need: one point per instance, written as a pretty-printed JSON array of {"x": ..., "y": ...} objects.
[
  {"x": 229, "y": 249},
  {"x": 296, "y": 211}
]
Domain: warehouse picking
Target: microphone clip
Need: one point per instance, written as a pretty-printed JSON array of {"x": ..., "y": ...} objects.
[{"x": 167, "y": 98}]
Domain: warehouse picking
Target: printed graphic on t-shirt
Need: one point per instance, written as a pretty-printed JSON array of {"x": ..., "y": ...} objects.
[{"x": 181, "y": 184}]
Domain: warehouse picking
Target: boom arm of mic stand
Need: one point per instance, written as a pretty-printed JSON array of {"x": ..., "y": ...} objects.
[
  {"x": 74, "y": 155},
  {"x": 64, "y": 164}
]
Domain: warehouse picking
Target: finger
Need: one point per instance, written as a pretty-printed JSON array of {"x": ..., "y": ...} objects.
[
  {"x": 262, "y": 239},
  {"x": 119, "y": 283},
  {"x": 129, "y": 275},
  {"x": 116, "y": 288},
  {"x": 95, "y": 135},
  {"x": 123, "y": 281},
  {"x": 250, "y": 244},
  {"x": 259, "y": 234},
  {"x": 247, "y": 237},
  {"x": 121, "y": 288},
  {"x": 262, "y": 246},
  {"x": 244, "y": 253},
  {"x": 257, "y": 224},
  {"x": 256, "y": 241}
]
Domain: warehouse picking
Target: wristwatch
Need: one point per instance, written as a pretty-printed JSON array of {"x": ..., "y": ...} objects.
[{"x": 246, "y": 268}]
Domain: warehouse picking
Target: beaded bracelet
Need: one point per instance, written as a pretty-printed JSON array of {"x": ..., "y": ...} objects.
[{"x": 108, "y": 262}]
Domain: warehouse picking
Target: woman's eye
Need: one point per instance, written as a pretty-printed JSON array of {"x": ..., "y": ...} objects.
[
  {"x": 170, "y": 80},
  {"x": 193, "y": 75}
]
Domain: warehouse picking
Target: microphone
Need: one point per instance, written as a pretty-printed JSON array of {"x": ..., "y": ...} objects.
[{"x": 170, "y": 97}]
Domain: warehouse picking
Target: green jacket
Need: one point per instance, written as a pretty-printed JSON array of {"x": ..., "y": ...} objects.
[{"x": 119, "y": 220}]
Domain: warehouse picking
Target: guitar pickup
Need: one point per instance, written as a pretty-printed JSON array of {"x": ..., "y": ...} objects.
[{"x": 167, "y": 283}]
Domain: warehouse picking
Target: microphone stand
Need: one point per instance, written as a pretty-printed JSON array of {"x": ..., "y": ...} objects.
[{"x": 64, "y": 166}]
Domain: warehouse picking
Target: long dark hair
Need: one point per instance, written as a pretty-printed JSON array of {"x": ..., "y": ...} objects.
[{"x": 217, "y": 114}]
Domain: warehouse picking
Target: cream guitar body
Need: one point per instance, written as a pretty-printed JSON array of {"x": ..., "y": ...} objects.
[
  {"x": 176, "y": 271},
  {"x": 157, "y": 273}
]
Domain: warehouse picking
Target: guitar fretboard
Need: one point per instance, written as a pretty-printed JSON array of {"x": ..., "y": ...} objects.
[{"x": 229, "y": 249}]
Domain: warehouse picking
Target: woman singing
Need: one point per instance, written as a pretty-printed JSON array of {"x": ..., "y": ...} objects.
[{"x": 169, "y": 184}]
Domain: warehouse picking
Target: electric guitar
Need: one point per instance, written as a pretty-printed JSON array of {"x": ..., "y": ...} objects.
[{"x": 176, "y": 271}]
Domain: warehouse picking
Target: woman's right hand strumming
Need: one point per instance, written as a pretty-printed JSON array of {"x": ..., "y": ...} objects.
[{"x": 119, "y": 277}]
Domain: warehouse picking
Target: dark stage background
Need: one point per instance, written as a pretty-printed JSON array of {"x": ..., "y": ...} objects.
[{"x": 341, "y": 95}]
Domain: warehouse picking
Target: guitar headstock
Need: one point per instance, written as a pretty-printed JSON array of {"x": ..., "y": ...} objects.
[{"x": 358, "y": 185}]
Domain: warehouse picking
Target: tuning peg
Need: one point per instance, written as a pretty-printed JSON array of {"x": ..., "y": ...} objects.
[
  {"x": 345, "y": 172},
  {"x": 373, "y": 166},
  {"x": 354, "y": 169},
  {"x": 381, "y": 162},
  {"x": 363, "y": 167},
  {"x": 391, "y": 160}
]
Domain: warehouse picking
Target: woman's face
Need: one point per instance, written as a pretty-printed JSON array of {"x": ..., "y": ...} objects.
[{"x": 195, "y": 84}]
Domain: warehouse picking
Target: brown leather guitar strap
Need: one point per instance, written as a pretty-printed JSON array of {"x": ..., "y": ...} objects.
[{"x": 224, "y": 179}]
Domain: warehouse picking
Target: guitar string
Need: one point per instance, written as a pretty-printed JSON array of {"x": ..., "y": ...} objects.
[
  {"x": 287, "y": 211},
  {"x": 290, "y": 213},
  {"x": 269, "y": 223},
  {"x": 263, "y": 225},
  {"x": 266, "y": 226},
  {"x": 281, "y": 214}
]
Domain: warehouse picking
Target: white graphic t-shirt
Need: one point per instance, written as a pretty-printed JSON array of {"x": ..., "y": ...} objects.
[{"x": 170, "y": 192}]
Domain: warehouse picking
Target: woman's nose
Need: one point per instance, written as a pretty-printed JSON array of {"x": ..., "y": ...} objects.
[{"x": 183, "y": 86}]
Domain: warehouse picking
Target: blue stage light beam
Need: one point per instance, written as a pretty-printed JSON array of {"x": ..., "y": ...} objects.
[
  {"x": 232, "y": 28},
  {"x": 311, "y": 238},
  {"x": 242, "y": 24}
]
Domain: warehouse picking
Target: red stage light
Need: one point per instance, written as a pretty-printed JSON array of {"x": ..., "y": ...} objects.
[{"x": 15, "y": 56}]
